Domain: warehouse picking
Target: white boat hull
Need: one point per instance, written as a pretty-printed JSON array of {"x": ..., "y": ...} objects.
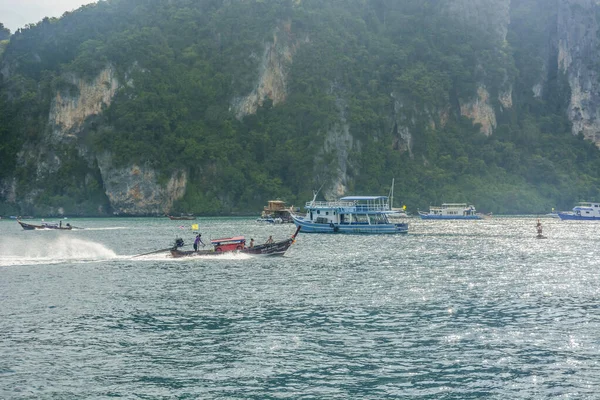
[{"x": 311, "y": 227}]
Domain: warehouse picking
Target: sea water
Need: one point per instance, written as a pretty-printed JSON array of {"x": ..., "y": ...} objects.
[{"x": 453, "y": 310}]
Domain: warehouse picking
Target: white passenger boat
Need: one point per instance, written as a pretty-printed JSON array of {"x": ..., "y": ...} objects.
[
  {"x": 451, "y": 211},
  {"x": 585, "y": 211},
  {"x": 351, "y": 214}
]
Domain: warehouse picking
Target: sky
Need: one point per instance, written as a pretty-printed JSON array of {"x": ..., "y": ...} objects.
[{"x": 15, "y": 14}]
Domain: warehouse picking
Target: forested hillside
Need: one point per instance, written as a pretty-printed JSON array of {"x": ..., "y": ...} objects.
[{"x": 216, "y": 106}]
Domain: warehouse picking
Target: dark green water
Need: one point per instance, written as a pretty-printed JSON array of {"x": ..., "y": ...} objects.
[{"x": 453, "y": 310}]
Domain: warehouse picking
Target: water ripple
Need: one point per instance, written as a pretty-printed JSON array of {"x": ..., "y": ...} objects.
[{"x": 454, "y": 310}]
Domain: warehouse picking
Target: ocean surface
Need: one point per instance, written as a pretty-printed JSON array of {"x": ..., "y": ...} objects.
[{"x": 453, "y": 310}]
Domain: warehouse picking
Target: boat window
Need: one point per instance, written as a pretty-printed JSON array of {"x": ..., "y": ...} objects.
[
  {"x": 326, "y": 212},
  {"x": 318, "y": 211},
  {"x": 377, "y": 219},
  {"x": 360, "y": 219}
]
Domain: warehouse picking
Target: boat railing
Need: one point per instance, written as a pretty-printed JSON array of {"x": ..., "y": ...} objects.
[
  {"x": 332, "y": 204},
  {"x": 349, "y": 205},
  {"x": 454, "y": 205}
]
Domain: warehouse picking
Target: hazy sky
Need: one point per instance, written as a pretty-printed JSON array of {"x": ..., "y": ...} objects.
[{"x": 15, "y": 14}]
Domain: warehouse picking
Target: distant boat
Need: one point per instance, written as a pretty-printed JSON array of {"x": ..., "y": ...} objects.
[
  {"x": 182, "y": 218},
  {"x": 451, "y": 211},
  {"x": 275, "y": 209},
  {"x": 400, "y": 212},
  {"x": 45, "y": 225},
  {"x": 585, "y": 211},
  {"x": 270, "y": 220}
]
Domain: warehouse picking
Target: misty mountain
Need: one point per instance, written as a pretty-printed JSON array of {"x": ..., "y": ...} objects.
[{"x": 145, "y": 107}]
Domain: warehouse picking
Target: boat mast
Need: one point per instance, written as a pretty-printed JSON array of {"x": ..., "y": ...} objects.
[
  {"x": 312, "y": 203},
  {"x": 391, "y": 195}
]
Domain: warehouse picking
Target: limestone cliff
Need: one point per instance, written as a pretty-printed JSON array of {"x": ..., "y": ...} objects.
[
  {"x": 577, "y": 52},
  {"x": 492, "y": 16},
  {"x": 69, "y": 112},
  {"x": 336, "y": 148},
  {"x": 135, "y": 190},
  {"x": 403, "y": 123},
  {"x": 481, "y": 111},
  {"x": 272, "y": 74}
]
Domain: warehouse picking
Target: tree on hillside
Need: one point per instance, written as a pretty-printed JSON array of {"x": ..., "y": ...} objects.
[{"x": 4, "y": 32}]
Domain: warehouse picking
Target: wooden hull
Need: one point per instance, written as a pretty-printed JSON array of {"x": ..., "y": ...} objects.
[
  {"x": 29, "y": 227},
  {"x": 273, "y": 249}
]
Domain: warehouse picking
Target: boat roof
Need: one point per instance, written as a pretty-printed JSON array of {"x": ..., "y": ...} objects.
[
  {"x": 231, "y": 239},
  {"x": 353, "y": 198}
]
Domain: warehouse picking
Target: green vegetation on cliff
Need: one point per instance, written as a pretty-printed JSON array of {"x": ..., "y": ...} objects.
[{"x": 385, "y": 69}]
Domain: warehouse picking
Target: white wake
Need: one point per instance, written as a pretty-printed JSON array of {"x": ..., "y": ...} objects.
[{"x": 51, "y": 251}]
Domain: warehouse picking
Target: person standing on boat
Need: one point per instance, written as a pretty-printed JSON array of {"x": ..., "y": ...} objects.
[
  {"x": 539, "y": 227},
  {"x": 269, "y": 240},
  {"x": 251, "y": 242},
  {"x": 198, "y": 241}
]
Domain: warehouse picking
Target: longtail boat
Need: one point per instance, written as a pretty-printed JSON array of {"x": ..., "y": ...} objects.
[
  {"x": 45, "y": 225},
  {"x": 236, "y": 244},
  {"x": 182, "y": 218}
]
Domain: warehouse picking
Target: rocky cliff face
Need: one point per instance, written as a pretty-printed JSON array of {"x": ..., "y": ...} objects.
[
  {"x": 488, "y": 16},
  {"x": 337, "y": 146},
  {"x": 135, "y": 190},
  {"x": 272, "y": 76},
  {"x": 480, "y": 111},
  {"x": 69, "y": 112},
  {"x": 578, "y": 58}
]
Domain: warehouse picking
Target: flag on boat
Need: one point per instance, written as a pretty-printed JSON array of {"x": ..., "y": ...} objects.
[{"x": 194, "y": 227}]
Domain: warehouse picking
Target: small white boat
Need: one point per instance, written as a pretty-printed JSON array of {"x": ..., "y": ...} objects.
[
  {"x": 270, "y": 220},
  {"x": 451, "y": 211}
]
